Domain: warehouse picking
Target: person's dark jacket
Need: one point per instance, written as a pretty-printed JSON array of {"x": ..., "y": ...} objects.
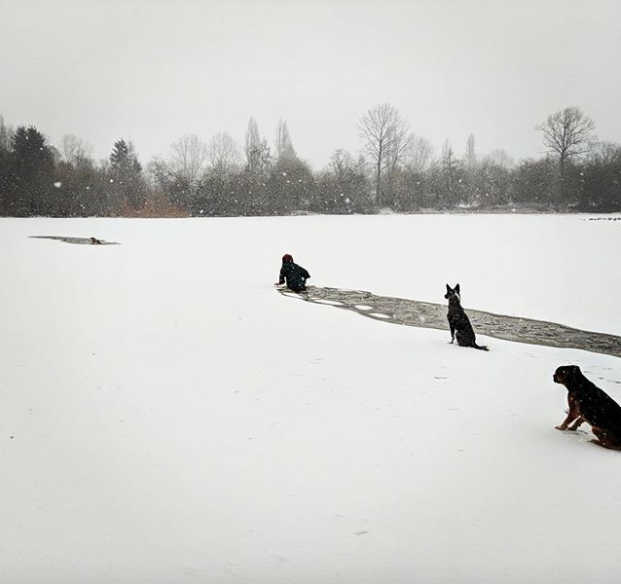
[{"x": 294, "y": 275}]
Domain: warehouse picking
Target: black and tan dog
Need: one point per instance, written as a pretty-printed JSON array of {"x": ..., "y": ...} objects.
[
  {"x": 461, "y": 329},
  {"x": 588, "y": 403}
]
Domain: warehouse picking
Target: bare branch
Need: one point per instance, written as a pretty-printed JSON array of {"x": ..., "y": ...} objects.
[{"x": 568, "y": 133}]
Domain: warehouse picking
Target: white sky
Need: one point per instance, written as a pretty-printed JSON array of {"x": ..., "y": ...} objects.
[{"x": 153, "y": 71}]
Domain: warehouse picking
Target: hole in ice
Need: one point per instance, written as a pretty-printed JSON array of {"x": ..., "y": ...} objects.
[{"x": 78, "y": 240}]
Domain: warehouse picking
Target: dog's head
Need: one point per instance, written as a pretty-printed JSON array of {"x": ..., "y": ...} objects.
[
  {"x": 566, "y": 374},
  {"x": 452, "y": 292}
]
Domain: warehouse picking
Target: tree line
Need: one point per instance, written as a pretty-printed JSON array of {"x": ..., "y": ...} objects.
[{"x": 395, "y": 170}]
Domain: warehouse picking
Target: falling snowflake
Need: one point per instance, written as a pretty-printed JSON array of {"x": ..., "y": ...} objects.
[{"x": 58, "y": 184}]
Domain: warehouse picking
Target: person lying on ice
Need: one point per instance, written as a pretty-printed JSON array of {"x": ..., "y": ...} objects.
[{"x": 294, "y": 275}]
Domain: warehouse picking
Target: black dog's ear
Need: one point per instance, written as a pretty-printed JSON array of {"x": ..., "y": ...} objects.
[
  {"x": 448, "y": 288},
  {"x": 457, "y": 289}
]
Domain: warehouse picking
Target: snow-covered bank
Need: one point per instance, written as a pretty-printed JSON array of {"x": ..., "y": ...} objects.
[{"x": 168, "y": 417}]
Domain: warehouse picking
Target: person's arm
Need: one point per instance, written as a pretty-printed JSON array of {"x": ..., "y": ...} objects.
[
  {"x": 281, "y": 277},
  {"x": 305, "y": 274}
]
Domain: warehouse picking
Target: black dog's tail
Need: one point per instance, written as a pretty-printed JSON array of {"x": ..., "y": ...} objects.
[{"x": 480, "y": 347}]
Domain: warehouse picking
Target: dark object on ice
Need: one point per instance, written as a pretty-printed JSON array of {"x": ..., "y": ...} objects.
[
  {"x": 588, "y": 403},
  {"x": 78, "y": 240},
  {"x": 459, "y": 321},
  {"x": 295, "y": 276}
]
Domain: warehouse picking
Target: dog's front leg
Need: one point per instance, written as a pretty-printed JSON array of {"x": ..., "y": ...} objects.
[
  {"x": 577, "y": 424},
  {"x": 452, "y": 333},
  {"x": 568, "y": 420},
  {"x": 572, "y": 415}
]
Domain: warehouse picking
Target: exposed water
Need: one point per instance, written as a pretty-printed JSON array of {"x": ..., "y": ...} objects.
[
  {"x": 78, "y": 240},
  {"x": 433, "y": 316}
]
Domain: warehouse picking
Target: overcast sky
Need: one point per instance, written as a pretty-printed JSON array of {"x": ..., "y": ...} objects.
[{"x": 153, "y": 71}]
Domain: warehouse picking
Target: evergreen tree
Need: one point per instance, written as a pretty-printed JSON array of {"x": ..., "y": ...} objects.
[
  {"x": 127, "y": 189},
  {"x": 30, "y": 173}
]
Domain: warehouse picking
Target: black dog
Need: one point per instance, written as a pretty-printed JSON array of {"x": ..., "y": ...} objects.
[
  {"x": 458, "y": 320},
  {"x": 589, "y": 403}
]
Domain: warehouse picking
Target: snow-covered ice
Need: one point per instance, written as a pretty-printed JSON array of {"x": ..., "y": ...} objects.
[{"x": 167, "y": 417}]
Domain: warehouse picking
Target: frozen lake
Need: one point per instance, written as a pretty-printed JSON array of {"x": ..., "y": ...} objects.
[{"x": 168, "y": 417}]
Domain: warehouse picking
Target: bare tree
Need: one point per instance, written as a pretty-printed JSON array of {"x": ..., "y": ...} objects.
[
  {"x": 384, "y": 134},
  {"x": 341, "y": 163},
  {"x": 470, "y": 157},
  {"x": 568, "y": 133},
  {"x": 448, "y": 156},
  {"x": 398, "y": 147},
  {"x": 283, "y": 143},
  {"x": 253, "y": 146},
  {"x": 449, "y": 165},
  {"x": 223, "y": 155},
  {"x": 606, "y": 153},
  {"x": 499, "y": 157},
  {"x": 74, "y": 150},
  {"x": 418, "y": 154},
  {"x": 471, "y": 172},
  {"x": 189, "y": 155},
  {"x": 5, "y": 136},
  {"x": 180, "y": 177},
  {"x": 257, "y": 151}
]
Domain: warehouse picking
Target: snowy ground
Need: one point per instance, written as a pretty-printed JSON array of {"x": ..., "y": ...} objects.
[{"x": 166, "y": 417}]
